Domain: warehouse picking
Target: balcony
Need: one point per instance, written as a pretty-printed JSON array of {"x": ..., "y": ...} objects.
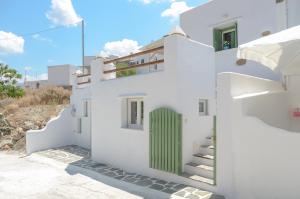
[
  {"x": 85, "y": 76},
  {"x": 146, "y": 61}
]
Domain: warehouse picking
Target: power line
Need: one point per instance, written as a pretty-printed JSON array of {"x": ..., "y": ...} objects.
[{"x": 41, "y": 31}]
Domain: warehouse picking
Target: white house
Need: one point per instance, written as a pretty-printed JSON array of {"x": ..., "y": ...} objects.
[
  {"x": 201, "y": 119},
  {"x": 62, "y": 75},
  {"x": 227, "y": 24}
]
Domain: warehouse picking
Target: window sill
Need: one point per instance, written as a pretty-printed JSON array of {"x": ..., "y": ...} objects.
[
  {"x": 226, "y": 50},
  {"x": 132, "y": 129}
]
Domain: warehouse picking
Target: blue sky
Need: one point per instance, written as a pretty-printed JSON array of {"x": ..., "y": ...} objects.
[{"x": 114, "y": 26}]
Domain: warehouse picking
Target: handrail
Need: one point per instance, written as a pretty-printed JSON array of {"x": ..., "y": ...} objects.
[
  {"x": 133, "y": 66},
  {"x": 134, "y": 55},
  {"x": 86, "y": 82},
  {"x": 84, "y": 75}
]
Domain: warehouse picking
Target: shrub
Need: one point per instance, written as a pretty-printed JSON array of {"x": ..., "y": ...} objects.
[
  {"x": 11, "y": 108},
  {"x": 8, "y": 80}
]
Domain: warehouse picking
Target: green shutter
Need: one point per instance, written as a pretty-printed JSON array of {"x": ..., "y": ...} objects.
[
  {"x": 218, "y": 39},
  {"x": 166, "y": 140},
  {"x": 233, "y": 41},
  {"x": 236, "y": 36}
]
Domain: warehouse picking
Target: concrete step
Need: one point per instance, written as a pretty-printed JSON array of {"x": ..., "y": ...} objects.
[
  {"x": 207, "y": 149},
  {"x": 203, "y": 159},
  {"x": 199, "y": 169},
  {"x": 198, "y": 178}
]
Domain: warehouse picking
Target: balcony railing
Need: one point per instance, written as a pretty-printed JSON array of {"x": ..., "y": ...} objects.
[
  {"x": 85, "y": 76},
  {"x": 134, "y": 63},
  {"x": 83, "y": 79}
]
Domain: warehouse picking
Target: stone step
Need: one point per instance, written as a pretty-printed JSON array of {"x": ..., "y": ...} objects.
[
  {"x": 203, "y": 159},
  {"x": 198, "y": 178},
  {"x": 207, "y": 149},
  {"x": 199, "y": 169},
  {"x": 209, "y": 157}
]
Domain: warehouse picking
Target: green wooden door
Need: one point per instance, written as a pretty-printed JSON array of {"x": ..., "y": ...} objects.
[{"x": 166, "y": 140}]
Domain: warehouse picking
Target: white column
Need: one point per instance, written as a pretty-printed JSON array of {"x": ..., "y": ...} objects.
[{"x": 96, "y": 70}]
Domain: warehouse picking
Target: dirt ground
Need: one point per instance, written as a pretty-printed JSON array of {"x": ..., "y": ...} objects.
[{"x": 15, "y": 125}]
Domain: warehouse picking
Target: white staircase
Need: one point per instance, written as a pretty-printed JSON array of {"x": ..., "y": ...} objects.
[{"x": 202, "y": 167}]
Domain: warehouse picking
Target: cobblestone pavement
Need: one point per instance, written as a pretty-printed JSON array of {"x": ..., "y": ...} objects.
[{"x": 80, "y": 157}]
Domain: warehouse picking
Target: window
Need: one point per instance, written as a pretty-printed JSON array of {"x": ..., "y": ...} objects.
[
  {"x": 79, "y": 125},
  {"x": 135, "y": 113},
  {"x": 142, "y": 61},
  {"x": 225, "y": 38},
  {"x": 203, "y": 107},
  {"x": 85, "y": 109}
]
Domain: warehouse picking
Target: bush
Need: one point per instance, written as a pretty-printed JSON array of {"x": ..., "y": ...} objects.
[
  {"x": 49, "y": 95},
  {"x": 8, "y": 82},
  {"x": 11, "y": 108}
]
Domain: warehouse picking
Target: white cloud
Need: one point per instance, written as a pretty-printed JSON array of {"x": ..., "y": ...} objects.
[
  {"x": 27, "y": 68},
  {"x": 11, "y": 43},
  {"x": 63, "y": 13},
  {"x": 153, "y": 1},
  {"x": 120, "y": 48},
  {"x": 38, "y": 37},
  {"x": 176, "y": 9}
]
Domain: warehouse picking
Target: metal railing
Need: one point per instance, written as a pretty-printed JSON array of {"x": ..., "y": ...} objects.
[{"x": 135, "y": 63}]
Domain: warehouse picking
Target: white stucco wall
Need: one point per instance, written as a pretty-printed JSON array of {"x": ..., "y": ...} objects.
[
  {"x": 60, "y": 75},
  {"x": 188, "y": 76},
  {"x": 58, "y": 132},
  {"x": 254, "y": 159},
  {"x": 293, "y": 82},
  {"x": 253, "y": 18},
  {"x": 82, "y": 136},
  {"x": 33, "y": 84}
]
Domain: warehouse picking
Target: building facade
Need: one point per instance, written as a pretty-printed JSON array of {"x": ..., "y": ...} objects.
[{"x": 227, "y": 24}]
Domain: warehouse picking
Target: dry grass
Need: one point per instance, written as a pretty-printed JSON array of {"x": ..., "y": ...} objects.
[{"x": 50, "y": 95}]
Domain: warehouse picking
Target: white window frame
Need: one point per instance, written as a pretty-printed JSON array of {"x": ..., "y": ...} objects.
[
  {"x": 205, "y": 107},
  {"x": 139, "y": 122}
]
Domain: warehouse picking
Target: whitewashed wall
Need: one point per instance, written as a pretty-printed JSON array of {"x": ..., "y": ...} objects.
[
  {"x": 188, "y": 75},
  {"x": 58, "y": 132},
  {"x": 64, "y": 129},
  {"x": 293, "y": 83},
  {"x": 254, "y": 159},
  {"x": 82, "y": 136},
  {"x": 253, "y": 17},
  {"x": 60, "y": 75}
]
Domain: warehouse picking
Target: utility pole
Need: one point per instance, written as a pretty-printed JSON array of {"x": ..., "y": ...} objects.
[{"x": 82, "y": 40}]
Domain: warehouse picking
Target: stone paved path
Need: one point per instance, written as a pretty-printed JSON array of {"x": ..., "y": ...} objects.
[{"x": 80, "y": 157}]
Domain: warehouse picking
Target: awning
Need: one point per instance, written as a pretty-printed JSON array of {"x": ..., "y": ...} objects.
[{"x": 279, "y": 51}]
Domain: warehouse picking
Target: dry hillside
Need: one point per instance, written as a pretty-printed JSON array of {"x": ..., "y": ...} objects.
[{"x": 32, "y": 111}]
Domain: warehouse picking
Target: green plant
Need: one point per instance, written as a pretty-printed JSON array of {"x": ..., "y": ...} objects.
[
  {"x": 8, "y": 82},
  {"x": 124, "y": 73}
]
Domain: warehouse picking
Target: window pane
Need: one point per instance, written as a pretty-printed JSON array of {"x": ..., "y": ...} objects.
[
  {"x": 85, "y": 109},
  {"x": 142, "y": 112},
  {"x": 133, "y": 109},
  {"x": 201, "y": 107},
  {"x": 228, "y": 40}
]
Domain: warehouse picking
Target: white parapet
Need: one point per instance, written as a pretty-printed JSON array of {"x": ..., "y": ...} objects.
[{"x": 57, "y": 133}]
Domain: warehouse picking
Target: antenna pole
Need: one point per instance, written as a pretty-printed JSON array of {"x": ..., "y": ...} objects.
[{"x": 82, "y": 40}]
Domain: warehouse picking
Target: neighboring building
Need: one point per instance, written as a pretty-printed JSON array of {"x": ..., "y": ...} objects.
[
  {"x": 227, "y": 24},
  {"x": 62, "y": 75}
]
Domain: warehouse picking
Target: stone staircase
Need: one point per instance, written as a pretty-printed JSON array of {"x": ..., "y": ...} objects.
[{"x": 202, "y": 167}]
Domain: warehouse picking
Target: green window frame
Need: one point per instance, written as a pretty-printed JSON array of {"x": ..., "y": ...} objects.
[{"x": 219, "y": 35}]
